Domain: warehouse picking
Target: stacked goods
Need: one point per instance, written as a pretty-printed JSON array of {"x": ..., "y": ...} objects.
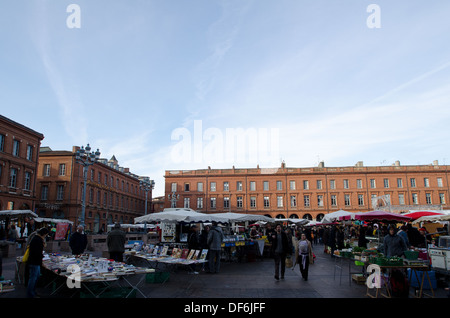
[{"x": 6, "y": 286}]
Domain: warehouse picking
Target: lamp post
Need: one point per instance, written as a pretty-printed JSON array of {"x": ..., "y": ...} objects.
[
  {"x": 173, "y": 198},
  {"x": 146, "y": 184},
  {"x": 86, "y": 158}
]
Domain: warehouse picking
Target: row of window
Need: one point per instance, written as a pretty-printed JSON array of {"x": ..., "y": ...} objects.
[
  {"x": 307, "y": 201},
  {"x": 16, "y": 148},
  {"x": 14, "y": 176},
  {"x": 100, "y": 179},
  {"x": 306, "y": 184},
  {"x": 105, "y": 199}
]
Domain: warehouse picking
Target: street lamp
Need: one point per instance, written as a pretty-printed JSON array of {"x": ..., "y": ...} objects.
[
  {"x": 86, "y": 158},
  {"x": 173, "y": 198},
  {"x": 146, "y": 184}
]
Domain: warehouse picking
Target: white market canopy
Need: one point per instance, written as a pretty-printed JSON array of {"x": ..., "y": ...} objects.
[
  {"x": 296, "y": 221},
  {"x": 175, "y": 215},
  {"x": 133, "y": 226},
  {"x": 49, "y": 220},
  {"x": 242, "y": 217},
  {"x": 12, "y": 213},
  {"x": 313, "y": 223},
  {"x": 334, "y": 216}
]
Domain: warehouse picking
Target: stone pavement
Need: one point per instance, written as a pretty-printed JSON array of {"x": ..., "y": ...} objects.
[{"x": 242, "y": 280}]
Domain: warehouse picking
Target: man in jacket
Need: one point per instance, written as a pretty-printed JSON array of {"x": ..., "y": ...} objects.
[
  {"x": 394, "y": 245},
  {"x": 215, "y": 238},
  {"x": 35, "y": 260},
  {"x": 116, "y": 243},
  {"x": 78, "y": 241},
  {"x": 280, "y": 249}
]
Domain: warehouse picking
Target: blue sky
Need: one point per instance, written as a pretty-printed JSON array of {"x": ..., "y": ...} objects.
[{"x": 137, "y": 72}]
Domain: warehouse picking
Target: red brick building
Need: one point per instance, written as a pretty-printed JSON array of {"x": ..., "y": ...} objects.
[
  {"x": 113, "y": 193},
  {"x": 19, "y": 155},
  {"x": 310, "y": 192}
]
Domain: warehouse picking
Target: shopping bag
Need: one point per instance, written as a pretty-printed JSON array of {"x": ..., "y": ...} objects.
[
  {"x": 289, "y": 262},
  {"x": 26, "y": 255}
]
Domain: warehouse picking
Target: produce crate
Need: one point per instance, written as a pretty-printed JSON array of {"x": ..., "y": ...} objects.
[
  {"x": 411, "y": 255},
  {"x": 157, "y": 277},
  {"x": 394, "y": 262},
  {"x": 359, "y": 278}
]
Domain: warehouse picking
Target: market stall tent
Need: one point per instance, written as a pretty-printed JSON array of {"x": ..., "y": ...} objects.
[
  {"x": 49, "y": 220},
  {"x": 17, "y": 213},
  {"x": 133, "y": 226},
  {"x": 414, "y": 215},
  {"x": 381, "y": 216},
  {"x": 176, "y": 215},
  {"x": 335, "y": 216},
  {"x": 242, "y": 217},
  {"x": 436, "y": 218},
  {"x": 296, "y": 221}
]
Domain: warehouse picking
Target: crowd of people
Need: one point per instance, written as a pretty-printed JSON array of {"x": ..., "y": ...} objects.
[{"x": 296, "y": 242}]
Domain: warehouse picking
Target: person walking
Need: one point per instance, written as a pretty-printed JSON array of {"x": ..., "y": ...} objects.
[
  {"x": 36, "y": 255},
  {"x": 116, "y": 243},
  {"x": 78, "y": 241},
  {"x": 215, "y": 239},
  {"x": 305, "y": 256},
  {"x": 280, "y": 249}
]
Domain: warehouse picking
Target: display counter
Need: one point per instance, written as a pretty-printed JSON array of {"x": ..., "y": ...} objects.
[
  {"x": 416, "y": 269},
  {"x": 79, "y": 273}
]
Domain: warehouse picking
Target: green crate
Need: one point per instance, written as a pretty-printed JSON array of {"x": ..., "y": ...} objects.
[
  {"x": 411, "y": 255},
  {"x": 157, "y": 277}
]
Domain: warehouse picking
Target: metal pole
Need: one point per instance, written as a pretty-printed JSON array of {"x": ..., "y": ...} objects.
[{"x": 83, "y": 204}]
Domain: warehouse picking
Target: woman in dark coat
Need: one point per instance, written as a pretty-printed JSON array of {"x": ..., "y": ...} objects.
[{"x": 362, "y": 241}]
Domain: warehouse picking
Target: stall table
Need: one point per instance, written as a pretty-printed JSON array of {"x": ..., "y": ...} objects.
[
  {"x": 170, "y": 263},
  {"x": 90, "y": 273}
]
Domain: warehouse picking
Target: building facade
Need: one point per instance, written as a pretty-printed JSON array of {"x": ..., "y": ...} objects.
[
  {"x": 113, "y": 193},
  {"x": 19, "y": 155},
  {"x": 309, "y": 192}
]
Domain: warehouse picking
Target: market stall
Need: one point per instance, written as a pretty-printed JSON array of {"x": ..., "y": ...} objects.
[
  {"x": 336, "y": 216},
  {"x": 19, "y": 219},
  {"x": 165, "y": 260},
  {"x": 89, "y": 276},
  {"x": 171, "y": 222},
  {"x": 439, "y": 252}
]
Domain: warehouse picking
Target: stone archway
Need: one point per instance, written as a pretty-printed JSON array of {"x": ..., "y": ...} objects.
[{"x": 307, "y": 216}]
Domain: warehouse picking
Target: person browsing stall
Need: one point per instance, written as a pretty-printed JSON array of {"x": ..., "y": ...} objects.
[
  {"x": 116, "y": 243},
  {"x": 37, "y": 245},
  {"x": 394, "y": 245},
  {"x": 78, "y": 241},
  {"x": 215, "y": 239}
]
